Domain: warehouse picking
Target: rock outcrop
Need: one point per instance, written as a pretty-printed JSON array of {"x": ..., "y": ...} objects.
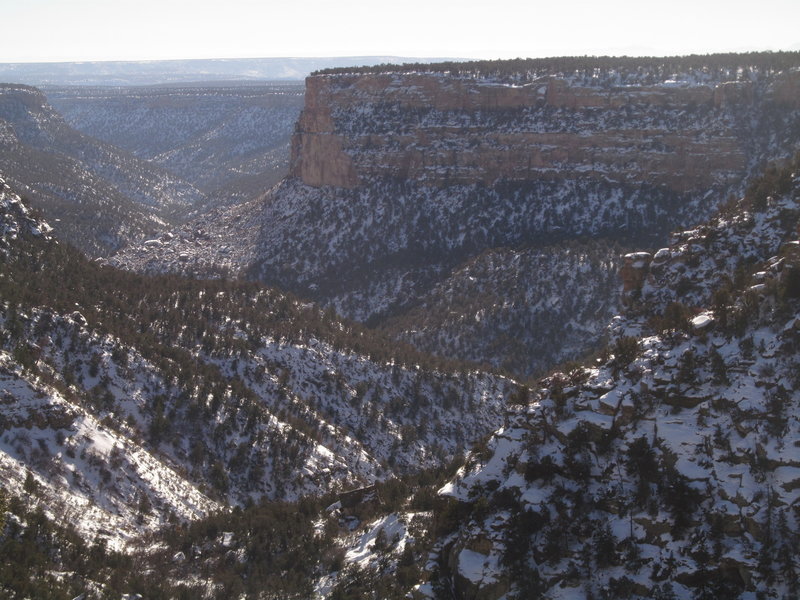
[{"x": 633, "y": 273}]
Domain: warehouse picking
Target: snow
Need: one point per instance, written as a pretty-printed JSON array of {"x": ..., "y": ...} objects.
[
  {"x": 702, "y": 321},
  {"x": 478, "y": 568},
  {"x": 102, "y": 441},
  {"x": 535, "y": 496},
  {"x": 638, "y": 259},
  {"x": 362, "y": 551},
  {"x": 425, "y": 590},
  {"x": 662, "y": 254}
]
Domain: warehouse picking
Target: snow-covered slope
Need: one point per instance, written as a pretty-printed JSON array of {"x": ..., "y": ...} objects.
[
  {"x": 89, "y": 474},
  {"x": 132, "y": 401},
  {"x": 669, "y": 468},
  {"x": 508, "y": 308}
]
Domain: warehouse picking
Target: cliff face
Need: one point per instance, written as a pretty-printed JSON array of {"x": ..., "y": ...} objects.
[
  {"x": 318, "y": 156},
  {"x": 441, "y": 130}
]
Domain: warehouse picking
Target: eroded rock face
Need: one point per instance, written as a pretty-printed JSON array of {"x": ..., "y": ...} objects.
[
  {"x": 318, "y": 157},
  {"x": 443, "y": 130}
]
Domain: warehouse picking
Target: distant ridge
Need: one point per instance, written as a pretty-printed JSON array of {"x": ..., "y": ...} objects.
[{"x": 151, "y": 72}]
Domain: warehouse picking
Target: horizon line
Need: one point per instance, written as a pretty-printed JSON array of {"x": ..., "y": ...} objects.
[{"x": 388, "y": 56}]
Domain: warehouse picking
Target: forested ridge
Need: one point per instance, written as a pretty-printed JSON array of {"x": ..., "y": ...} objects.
[{"x": 647, "y": 69}]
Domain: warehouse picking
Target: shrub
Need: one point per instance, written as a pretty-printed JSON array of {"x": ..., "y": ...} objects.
[
  {"x": 640, "y": 460},
  {"x": 675, "y": 318},
  {"x": 625, "y": 349},
  {"x": 790, "y": 283}
]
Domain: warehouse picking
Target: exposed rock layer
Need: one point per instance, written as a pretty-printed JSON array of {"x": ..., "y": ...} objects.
[{"x": 441, "y": 130}]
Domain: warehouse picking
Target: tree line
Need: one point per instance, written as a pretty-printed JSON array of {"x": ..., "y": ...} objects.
[{"x": 725, "y": 65}]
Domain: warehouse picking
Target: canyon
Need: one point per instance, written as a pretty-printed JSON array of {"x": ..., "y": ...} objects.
[
  {"x": 399, "y": 181},
  {"x": 197, "y": 429}
]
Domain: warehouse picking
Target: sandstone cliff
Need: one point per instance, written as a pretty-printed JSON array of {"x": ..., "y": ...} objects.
[{"x": 441, "y": 130}]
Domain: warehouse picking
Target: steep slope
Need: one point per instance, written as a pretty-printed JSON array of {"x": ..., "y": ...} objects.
[
  {"x": 508, "y": 307},
  {"x": 89, "y": 474},
  {"x": 130, "y": 401},
  {"x": 669, "y": 468},
  {"x": 229, "y": 140},
  {"x": 401, "y": 179},
  {"x": 97, "y": 196}
]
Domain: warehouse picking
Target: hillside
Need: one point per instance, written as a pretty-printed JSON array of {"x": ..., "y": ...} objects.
[
  {"x": 185, "y": 396},
  {"x": 508, "y": 307},
  {"x": 95, "y": 195},
  {"x": 665, "y": 468},
  {"x": 669, "y": 468}
]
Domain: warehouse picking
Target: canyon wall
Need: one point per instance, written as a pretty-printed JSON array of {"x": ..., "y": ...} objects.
[
  {"x": 440, "y": 130},
  {"x": 485, "y": 220}
]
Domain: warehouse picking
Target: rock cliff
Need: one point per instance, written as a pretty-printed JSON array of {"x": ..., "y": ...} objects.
[{"x": 441, "y": 130}]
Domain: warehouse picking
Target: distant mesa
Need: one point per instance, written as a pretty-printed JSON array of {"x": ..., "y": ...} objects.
[{"x": 153, "y": 72}]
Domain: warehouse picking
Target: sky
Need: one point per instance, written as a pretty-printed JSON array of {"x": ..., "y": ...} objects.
[{"x": 93, "y": 30}]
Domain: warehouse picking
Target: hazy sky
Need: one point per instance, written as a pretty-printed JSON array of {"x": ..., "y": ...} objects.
[{"x": 75, "y": 30}]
